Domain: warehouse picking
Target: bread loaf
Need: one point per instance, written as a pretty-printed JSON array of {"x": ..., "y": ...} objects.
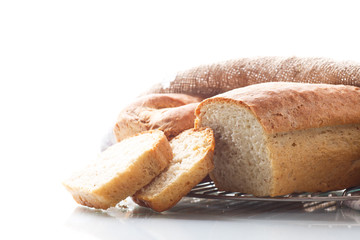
[
  {"x": 279, "y": 138},
  {"x": 171, "y": 113},
  {"x": 169, "y": 107},
  {"x": 193, "y": 152},
  {"x": 121, "y": 170}
]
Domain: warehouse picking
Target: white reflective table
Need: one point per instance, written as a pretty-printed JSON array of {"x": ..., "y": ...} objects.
[{"x": 194, "y": 218}]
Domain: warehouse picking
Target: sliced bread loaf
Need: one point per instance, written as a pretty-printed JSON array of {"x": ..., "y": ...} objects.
[
  {"x": 121, "y": 170},
  {"x": 193, "y": 152},
  {"x": 279, "y": 138}
]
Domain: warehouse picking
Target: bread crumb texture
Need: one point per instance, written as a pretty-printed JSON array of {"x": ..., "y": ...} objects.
[
  {"x": 193, "y": 153},
  {"x": 294, "y": 156},
  {"x": 121, "y": 170}
]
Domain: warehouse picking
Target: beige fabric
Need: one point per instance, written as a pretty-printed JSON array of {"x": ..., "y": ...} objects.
[{"x": 210, "y": 80}]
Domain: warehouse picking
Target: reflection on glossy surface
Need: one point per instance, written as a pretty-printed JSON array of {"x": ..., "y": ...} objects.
[
  {"x": 213, "y": 219},
  {"x": 352, "y": 204}
]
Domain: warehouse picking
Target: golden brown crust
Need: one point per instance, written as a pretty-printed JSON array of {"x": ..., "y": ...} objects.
[
  {"x": 124, "y": 183},
  {"x": 171, "y": 113},
  {"x": 181, "y": 184},
  {"x": 282, "y": 107},
  {"x": 209, "y": 80},
  {"x": 315, "y": 160},
  {"x": 312, "y": 148}
]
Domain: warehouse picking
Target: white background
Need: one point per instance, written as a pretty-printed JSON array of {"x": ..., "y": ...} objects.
[{"x": 68, "y": 67}]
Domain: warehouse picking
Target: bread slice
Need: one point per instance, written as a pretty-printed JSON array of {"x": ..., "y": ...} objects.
[
  {"x": 279, "y": 138},
  {"x": 121, "y": 170},
  {"x": 193, "y": 152}
]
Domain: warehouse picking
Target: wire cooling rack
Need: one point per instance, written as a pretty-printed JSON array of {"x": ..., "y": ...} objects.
[{"x": 208, "y": 190}]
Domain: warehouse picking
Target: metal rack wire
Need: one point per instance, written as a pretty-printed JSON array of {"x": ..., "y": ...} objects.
[{"x": 208, "y": 190}]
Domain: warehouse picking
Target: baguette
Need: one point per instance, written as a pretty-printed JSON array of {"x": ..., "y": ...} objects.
[{"x": 278, "y": 138}]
